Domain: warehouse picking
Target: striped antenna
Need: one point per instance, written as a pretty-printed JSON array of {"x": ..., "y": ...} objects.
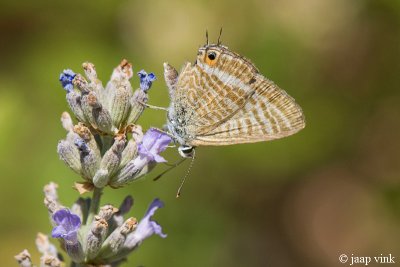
[
  {"x": 178, "y": 193},
  {"x": 219, "y": 37}
]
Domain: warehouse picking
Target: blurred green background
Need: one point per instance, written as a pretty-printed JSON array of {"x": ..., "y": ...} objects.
[{"x": 333, "y": 188}]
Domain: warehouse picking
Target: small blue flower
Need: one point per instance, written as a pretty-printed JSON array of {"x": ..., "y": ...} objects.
[
  {"x": 153, "y": 143},
  {"x": 146, "y": 226},
  {"x": 67, "y": 226},
  {"x": 146, "y": 80},
  {"x": 66, "y": 78}
]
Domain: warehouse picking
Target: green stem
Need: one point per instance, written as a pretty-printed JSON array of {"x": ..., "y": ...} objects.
[{"x": 94, "y": 204}]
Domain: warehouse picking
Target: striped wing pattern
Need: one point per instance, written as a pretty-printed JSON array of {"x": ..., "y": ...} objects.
[
  {"x": 267, "y": 115},
  {"x": 231, "y": 103}
]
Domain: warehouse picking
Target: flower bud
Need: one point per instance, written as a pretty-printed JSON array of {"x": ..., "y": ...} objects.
[
  {"x": 50, "y": 191},
  {"x": 87, "y": 109},
  {"x": 81, "y": 83},
  {"x": 24, "y": 259},
  {"x": 44, "y": 246},
  {"x": 101, "y": 116},
  {"x": 50, "y": 261},
  {"x": 130, "y": 151},
  {"x": 140, "y": 96},
  {"x": 106, "y": 212},
  {"x": 88, "y": 137},
  {"x": 74, "y": 102},
  {"x": 95, "y": 238},
  {"x": 75, "y": 252},
  {"x": 134, "y": 170},
  {"x": 123, "y": 71},
  {"x": 118, "y": 218},
  {"x": 101, "y": 178},
  {"x": 48, "y": 250},
  {"x": 90, "y": 71},
  {"x": 138, "y": 100},
  {"x": 120, "y": 91},
  {"x": 109, "y": 163},
  {"x": 66, "y": 121},
  {"x": 90, "y": 160},
  {"x": 95, "y": 84},
  {"x": 120, "y": 104},
  {"x": 51, "y": 199},
  {"x": 70, "y": 155},
  {"x": 112, "y": 157},
  {"x": 116, "y": 239}
]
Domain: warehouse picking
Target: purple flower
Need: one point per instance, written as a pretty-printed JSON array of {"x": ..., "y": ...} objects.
[
  {"x": 146, "y": 226},
  {"x": 66, "y": 78},
  {"x": 153, "y": 143},
  {"x": 146, "y": 80},
  {"x": 67, "y": 226}
]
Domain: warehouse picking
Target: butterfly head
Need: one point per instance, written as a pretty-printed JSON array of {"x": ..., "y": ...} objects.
[{"x": 210, "y": 54}]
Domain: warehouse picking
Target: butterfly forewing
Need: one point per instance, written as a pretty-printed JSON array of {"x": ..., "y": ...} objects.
[{"x": 223, "y": 89}]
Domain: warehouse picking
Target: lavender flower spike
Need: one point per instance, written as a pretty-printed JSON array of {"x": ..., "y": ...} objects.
[
  {"x": 146, "y": 226},
  {"x": 66, "y": 78},
  {"x": 153, "y": 143},
  {"x": 67, "y": 226},
  {"x": 146, "y": 80}
]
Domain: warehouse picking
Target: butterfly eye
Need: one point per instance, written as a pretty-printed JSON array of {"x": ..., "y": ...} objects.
[{"x": 211, "y": 55}]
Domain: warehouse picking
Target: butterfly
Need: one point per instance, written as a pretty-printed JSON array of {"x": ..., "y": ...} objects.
[{"x": 223, "y": 99}]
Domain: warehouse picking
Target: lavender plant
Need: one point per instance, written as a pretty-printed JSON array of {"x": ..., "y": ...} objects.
[{"x": 106, "y": 148}]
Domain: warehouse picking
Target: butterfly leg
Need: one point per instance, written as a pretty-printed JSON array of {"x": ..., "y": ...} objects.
[{"x": 152, "y": 107}]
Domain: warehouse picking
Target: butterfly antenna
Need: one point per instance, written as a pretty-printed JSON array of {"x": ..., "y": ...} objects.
[
  {"x": 207, "y": 37},
  {"x": 219, "y": 37},
  {"x": 178, "y": 193},
  {"x": 172, "y": 166}
]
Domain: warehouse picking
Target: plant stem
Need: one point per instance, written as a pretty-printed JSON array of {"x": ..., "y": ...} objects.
[{"x": 94, "y": 204}]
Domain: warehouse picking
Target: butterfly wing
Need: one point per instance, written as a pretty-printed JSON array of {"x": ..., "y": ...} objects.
[
  {"x": 230, "y": 103},
  {"x": 269, "y": 113},
  {"x": 203, "y": 99}
]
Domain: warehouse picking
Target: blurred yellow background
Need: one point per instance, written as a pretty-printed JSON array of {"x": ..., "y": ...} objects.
[{"x": 333, "y": 188}]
